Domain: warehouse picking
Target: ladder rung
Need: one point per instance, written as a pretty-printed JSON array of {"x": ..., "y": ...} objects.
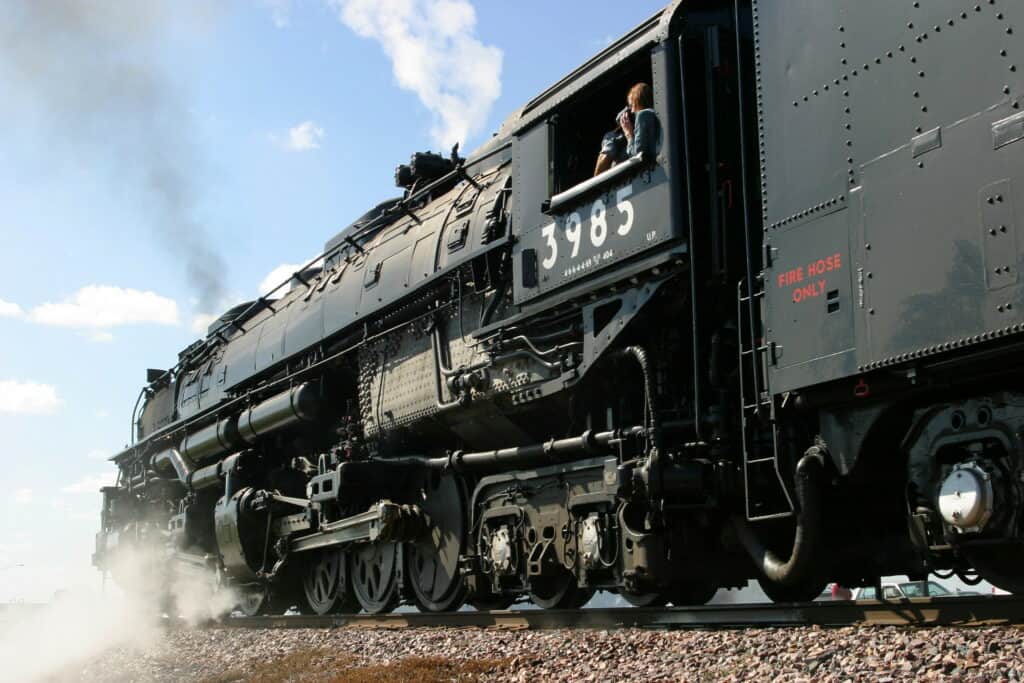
[{"x": 760, "y": 460}]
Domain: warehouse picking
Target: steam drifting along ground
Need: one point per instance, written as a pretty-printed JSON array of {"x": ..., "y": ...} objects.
[{"x": 348, "y": 654}]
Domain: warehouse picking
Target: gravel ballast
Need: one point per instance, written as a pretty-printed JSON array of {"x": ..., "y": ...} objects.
[{"x": 218, "y": 655}]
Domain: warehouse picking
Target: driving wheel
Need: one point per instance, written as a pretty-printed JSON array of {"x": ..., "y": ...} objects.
[
  {"x": 804, "y": 590},
  {"x": 375, "y": 584},
  {"x": 558, "y": 592},
  {"x": 326, "y": 585},
  {"x": 691, "y": 593},
  {"x": 652, "y": 599},
  {"x": 432, "y": 562}
]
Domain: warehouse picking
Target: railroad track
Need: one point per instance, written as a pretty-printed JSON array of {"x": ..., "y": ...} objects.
[{"x": 961, "y": 611}]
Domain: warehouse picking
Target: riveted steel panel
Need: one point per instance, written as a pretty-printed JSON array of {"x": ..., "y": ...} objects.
[
  {"x": 927, "y": 250},
  {"x": 998, "y": 234},
  {"x": 803, "y": 141},
  {"x": 810, "y": 303}
]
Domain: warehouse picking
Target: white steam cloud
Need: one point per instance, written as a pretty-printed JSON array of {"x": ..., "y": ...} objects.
[
  {"x": 435, "y": 54},
  {"x": 79, "y": 628}
]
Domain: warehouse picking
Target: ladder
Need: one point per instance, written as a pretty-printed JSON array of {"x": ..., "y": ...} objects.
[{"x": 765, "y": 492}]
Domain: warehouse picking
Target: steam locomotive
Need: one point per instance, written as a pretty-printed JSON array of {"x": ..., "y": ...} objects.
[{"x": 778, "y": 347}]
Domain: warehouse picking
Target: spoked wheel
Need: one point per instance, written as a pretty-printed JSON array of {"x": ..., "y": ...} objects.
[
  {"x": 690, "y": 593},
  {"x": 558, "y": 592},
  {"x": 802, "y": 591},
  {"x": 1002, "y": 566},
  {"x": 326, "y": 585},
  {"x": 432, "y": 563},
  {"x": 372, "y": 568},
  {"x": 254, "y": 601}
]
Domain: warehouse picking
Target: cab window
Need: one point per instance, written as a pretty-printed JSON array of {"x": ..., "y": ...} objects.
[{"x": 578, "y": 128}]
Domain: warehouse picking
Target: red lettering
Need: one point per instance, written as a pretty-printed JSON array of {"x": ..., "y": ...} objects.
[
  {"x": 810, "y": 291},
  {"x": 790, "y": 277}
]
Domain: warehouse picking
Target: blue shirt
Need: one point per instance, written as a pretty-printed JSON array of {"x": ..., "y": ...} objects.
[{"x": 646, "y": 134}]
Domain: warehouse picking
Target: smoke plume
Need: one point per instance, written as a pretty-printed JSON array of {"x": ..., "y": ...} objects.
[{"x": 88, "y": 73}]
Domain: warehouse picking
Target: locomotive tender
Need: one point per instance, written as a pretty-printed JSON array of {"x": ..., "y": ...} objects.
[{"x": 779, "y": 348}]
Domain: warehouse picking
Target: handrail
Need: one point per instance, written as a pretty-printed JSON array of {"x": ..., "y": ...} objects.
[{"x": 573, "y": 193}]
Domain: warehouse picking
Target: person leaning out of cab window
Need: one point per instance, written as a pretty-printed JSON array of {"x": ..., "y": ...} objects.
[{"x": 638, "y": 123}]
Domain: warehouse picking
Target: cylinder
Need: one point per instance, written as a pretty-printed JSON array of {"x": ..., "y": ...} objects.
[
  {"x": 215, "y": 439},
  {"x": 298, "y": 404},
  {"x": 205, "y": 477}
]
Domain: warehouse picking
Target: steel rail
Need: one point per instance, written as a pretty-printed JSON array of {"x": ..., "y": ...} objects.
[{"x": 946, "y": 611}]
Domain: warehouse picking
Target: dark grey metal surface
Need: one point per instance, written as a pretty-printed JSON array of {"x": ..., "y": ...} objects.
[{"x": 887, "y": 128}]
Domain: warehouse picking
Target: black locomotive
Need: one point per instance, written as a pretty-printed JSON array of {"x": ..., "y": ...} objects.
[{"x": 780, "y": 347}]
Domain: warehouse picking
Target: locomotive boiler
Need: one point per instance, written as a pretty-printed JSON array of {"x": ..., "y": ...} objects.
[{"x": 779, "y": 346}]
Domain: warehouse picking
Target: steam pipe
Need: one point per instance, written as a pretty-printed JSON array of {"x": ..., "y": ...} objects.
[
  {"x": 172, "y": 458},
  {"x": 808, "y": 526},
  {"x": 561, "y": 450}
]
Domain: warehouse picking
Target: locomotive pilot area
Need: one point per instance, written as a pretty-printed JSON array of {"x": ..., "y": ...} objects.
[{"x": 693, "y": 355}]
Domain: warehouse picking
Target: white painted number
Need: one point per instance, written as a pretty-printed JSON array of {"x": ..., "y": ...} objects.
[
  {"x": 598, "y": 231},
  {"x": 598, "y": 224},
  {"x": 625, "y": 207},
  {"x": 549, "y": 232},
  {"x": 574, "y": 232}
]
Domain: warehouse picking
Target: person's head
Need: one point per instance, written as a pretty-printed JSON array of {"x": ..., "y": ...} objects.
[{"x": 640, "y": 97}]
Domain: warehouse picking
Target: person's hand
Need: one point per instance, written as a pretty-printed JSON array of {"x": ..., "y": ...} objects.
[{"x": 626, "y": 123}]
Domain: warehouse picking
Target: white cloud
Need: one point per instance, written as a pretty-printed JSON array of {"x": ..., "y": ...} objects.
[
  {"x": 91, "y": 483},
  {"x": 23, "y": 496},
  {"x": 101, "y": 306},
  {"x": 9, "y": 310},
  {"x": 277, "y": 276},
  {"x": 280, "y": 12},
  {"x": 433, "y": 53},
  {"x": 97, "y": 454},
  {"x": 99, "y": 336},
  {"x": 304, "y": 137},
  {"x": 28, "y": 398},
  {"x": 201, "y": 322}
]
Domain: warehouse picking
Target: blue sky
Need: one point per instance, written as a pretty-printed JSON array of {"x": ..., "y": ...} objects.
[{"x": 136, "y": 136}]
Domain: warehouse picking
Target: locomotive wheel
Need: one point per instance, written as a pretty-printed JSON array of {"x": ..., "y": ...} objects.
[
  {"x": 432, "y": 563},
  {"x": 693, "y": 593},
  {"x": 558, "y": 592},
  {"x": 1000, "y": 566},
  {"x": 326, "y": 585},
  {"x": 374, "y": 581},
  {"x": 804, "y": 591},
  {"x": 491, "y": 601},
  {"x": 652, "y": 599},
  {"x": 259, "y": 601}
]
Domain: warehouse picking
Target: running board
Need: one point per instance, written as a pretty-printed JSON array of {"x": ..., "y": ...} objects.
[{"x": 384, "y": 522}]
